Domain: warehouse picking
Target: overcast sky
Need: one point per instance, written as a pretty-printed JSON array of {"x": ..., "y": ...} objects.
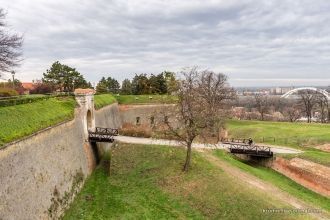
[{"x": 254, "y": 42}]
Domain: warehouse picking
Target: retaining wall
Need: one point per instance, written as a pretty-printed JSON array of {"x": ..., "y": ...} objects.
[
  {"x": 107, "y": 117},
  {"x": 40, "y": 175},
  {"x": 130, "y": 113},
  {"x": 309, "y": 174}
]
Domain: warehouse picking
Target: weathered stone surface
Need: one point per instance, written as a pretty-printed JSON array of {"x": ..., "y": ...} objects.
[
  {"x": 40, "y": 175},
  {"x": 107, "y": 117},
  {"x": 129, "y": 114},
  {"x": 31, "y": 169}
]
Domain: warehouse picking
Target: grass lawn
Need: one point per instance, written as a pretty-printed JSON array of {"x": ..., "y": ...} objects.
[
  {"x": 103, "y": 100},
  {"x": 298, "y": 135},
  {"x": 22, "y": 120},
  {"x": 285, "y": 133},
  {"x": 277, "y": 179},
  {"x": 146, "y": 99},
  {"x": 146, "y": 182}
]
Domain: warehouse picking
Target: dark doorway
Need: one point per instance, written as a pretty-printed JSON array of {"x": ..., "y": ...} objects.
[{"x": 96, "y": 153}]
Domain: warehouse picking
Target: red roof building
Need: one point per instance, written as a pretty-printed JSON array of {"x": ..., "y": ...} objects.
[{"x": 28, "y": 86}]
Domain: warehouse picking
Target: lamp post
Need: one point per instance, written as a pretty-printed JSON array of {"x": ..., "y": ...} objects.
[{"x": 13, "y": 74}]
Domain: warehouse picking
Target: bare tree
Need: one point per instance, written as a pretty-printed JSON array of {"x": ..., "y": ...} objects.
[
  {"x": 10, "y": 46},
  {"x": 323, "y": 106},
  {"x": 262, "y": 104},
  {"x": 292, "y": 113},
  {"x": 308, "y": 100},
  {"x": 200, "y": 107}
]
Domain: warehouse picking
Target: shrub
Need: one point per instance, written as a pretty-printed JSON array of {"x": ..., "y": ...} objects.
[
  {"x": 129, "y": 129},
  {"x": 41, "y": 88},
  {"x": 7, "y": 92}
]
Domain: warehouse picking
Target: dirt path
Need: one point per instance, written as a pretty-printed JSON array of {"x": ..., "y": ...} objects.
[
  {"x": 264, "y": 186},
  {"x": 140, "y": 140}
]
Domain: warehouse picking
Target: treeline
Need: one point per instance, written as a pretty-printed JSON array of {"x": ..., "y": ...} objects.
[
  {"x": 63, "y": 78},
  {"x": 163, "y": 83},
  {"x": 309, "y": 106}
]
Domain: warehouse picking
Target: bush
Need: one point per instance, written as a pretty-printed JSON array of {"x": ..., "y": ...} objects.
[
  {"x": 7, "y": 92},
  {"x": 129, "y": 129},
  {"x": 41, "y": 88}
]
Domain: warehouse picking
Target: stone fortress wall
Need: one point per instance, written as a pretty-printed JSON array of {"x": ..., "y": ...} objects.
[{"x": 40, "y": 174}]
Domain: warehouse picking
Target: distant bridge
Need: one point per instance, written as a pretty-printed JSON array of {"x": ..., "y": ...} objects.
[{"x": 321, "y": 91}]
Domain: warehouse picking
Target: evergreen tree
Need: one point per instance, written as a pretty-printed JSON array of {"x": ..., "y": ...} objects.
[
  {"x": 140, "y": 84},
  {"x": 113, "y": 85},
  {"x": 101, "y": 86},
  {"x": 126, "y": 87},
  {"x": 64, "y": 78},
  {"x": 157, "y": 84}
]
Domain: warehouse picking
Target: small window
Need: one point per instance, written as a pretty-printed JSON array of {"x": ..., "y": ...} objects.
[
  {"x": 138, "y": 121},
  {"x": 152, "y": 120},
  {"x": 166, "y": 119}
]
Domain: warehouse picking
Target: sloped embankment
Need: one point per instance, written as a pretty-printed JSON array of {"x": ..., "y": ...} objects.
[{"x": 309, "y": 174}]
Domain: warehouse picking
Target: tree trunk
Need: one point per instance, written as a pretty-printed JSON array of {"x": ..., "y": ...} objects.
[{"x": 188, "y": 158}]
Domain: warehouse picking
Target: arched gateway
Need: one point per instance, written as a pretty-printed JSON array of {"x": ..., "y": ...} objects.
[{"x": 91, "y": 134}]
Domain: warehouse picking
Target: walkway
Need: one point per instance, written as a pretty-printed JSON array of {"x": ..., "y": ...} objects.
[{"x": 139, "y": 140}]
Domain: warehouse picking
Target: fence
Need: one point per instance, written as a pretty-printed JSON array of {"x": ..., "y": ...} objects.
[{"x": 289, "y": 141}]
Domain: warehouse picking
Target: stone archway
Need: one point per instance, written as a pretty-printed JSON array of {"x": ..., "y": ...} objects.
[
  {"x": 89, "y": 120},
  {"x": 85, "y": 99}
]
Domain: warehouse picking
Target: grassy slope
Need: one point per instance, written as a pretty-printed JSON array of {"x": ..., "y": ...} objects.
[
  {"x": 144, "y": 99},
  {"x": 278, "y": 180},
  {"x": 146, "y": 182},
  {"x": 298, "y": 135},
  {"x": 103, "y": 100},
  {"x": 289, "y": 134},
  {"x": 22, "y": 120}
]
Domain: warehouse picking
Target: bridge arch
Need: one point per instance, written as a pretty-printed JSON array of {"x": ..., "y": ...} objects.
[{"x": 321, "y": 91}]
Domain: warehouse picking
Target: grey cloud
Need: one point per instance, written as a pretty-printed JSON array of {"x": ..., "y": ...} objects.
[{"x": 250, "y": 39}]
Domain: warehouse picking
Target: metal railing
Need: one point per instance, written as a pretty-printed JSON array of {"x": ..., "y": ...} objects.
[
  {"x": 102, "y": 135},
  {"x": 252, "y": 150}
]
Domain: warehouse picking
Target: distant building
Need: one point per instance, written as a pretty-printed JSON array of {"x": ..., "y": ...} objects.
[
  {"x": 280, "y": 90},
  {"x": 28, "y": 86}
]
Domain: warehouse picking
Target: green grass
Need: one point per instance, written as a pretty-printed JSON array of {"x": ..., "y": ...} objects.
[
  {"x": 146, "y": 99},
  {"x": 316, "y": 156},
  {"x": 285, "y": 133},
  {"x": 103, "y": 100},
  {"x": 278, "y": 180},
  {"x": 146, "y": 182},
  {"x": 22, "y": 120},
  {"x": 298, "y": 135},
  {"x": 107, "y": 99}
]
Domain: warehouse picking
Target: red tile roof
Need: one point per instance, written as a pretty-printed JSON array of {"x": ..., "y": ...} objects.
[{"x": 28, "y": 85}]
